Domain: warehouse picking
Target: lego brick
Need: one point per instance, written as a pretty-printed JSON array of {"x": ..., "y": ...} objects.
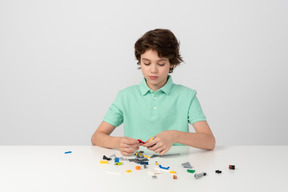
[
  {"x": 232, "y": 167},
  {"x": 199, "y": 175},
  {"x": 166, "y": 168},
  {"x": 218, "y": 171},
  {"x": 190, "y": 171},
  {"x": 187, "y": 165},
  {"x": 104, "y": 162},
  {"x": 106, "y": 158}
]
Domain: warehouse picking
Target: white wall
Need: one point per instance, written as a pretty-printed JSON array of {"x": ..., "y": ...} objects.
[{"x": 63, "y": 62}]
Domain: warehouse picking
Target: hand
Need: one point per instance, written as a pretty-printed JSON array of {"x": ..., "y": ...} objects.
[
  {"x": 128, "y": 146},
  {"x": 162, "y": 142}
]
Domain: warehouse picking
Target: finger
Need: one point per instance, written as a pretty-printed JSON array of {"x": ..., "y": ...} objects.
[
  {"x": 134, "y": 142},
  {"x": 150, "y": 144},
  {"x": 151, "y": 141},
  {"x": 129, "y": 151},
  {"x": 164, "y": 151},
  {"x": 156, "y": 146},
  {"x": 128, "y": 145},
  {"x": 152, "y": 138},
  {"x": 130, "y": 142},
  {"x": 159, "y": 150},
  {"x": 126, "y": 153}
]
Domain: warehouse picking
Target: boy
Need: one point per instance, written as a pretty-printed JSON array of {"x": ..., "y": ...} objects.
[{"x": 156, "y": 107}]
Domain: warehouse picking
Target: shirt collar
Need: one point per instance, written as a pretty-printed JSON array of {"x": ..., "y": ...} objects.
[{"x": 166, "y": 88}]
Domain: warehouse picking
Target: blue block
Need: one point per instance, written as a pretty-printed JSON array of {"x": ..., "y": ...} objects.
[
  {"x": 116, "y": 160},
  {"x": 164, "y": 167}
]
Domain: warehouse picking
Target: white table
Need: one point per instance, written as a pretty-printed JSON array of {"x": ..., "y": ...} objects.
[{"x": 47, "y": 168}]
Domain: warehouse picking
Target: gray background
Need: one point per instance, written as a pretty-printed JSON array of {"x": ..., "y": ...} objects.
[{"x": 63, "y": 62}]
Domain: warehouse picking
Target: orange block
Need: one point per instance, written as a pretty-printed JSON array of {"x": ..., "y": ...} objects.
[{"x": 138, "y": 167}]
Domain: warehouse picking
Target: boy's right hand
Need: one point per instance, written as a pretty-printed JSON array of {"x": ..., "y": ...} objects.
[{"x": 129, "y": 145}]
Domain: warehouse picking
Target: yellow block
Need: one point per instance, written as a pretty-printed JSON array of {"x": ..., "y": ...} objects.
[
  {"x": 151, "y": 139},
  {"x": 103, "y": 162},
  {"x": 172, "y": 172},
  {"x": 147, "y": 156},
  {"x": 129, "y": 171}
]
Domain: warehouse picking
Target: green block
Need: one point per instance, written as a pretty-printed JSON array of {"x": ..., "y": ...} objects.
[{"x": 190, "y": 171}]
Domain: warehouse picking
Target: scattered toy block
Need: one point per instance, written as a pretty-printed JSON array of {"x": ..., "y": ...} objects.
[
  {"x": 218, "y": 171},
  {"x": 140, "y": 141},
  {"x": 166, "y": 168},
  {"x": 106, "y": 158},
  {"x": 147, "y": 156},
  {"x": 232, "y": 167},
  {"x": 190, "y": 171},
  {"x": 104, "y": 162},
  {"x": 187, "y": 165},
  {"x": 199, "y": 175}
]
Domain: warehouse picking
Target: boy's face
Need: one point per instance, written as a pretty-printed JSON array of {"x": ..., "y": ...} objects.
[{"x": 154, "y": 69}]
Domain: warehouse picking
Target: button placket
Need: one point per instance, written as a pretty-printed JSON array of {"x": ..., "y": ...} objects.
[{"x": 154, "y": 101}]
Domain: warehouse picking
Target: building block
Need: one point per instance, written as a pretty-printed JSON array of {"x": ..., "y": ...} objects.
[
  {"x": 187, "y": 165},
  {"x": 232, "y": 167},
  {"x": 104, "y": 162},
  {"x": 106, "y": 158},
  {"x": 190, "y": 171},
  {"x": 199, "y": 175},
  {"x": 166, "y": 168}
]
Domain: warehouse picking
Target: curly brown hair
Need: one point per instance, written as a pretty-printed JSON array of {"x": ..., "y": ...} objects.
[{"x": 161, "y": 40}]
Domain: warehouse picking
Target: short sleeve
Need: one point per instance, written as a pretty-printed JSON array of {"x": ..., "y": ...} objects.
[
  {"x": 195, "y": 112},
  {"x": 114, "y": 115}
]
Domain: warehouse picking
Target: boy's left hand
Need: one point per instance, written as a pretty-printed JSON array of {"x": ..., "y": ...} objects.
[{"x": 162, "y": 142}]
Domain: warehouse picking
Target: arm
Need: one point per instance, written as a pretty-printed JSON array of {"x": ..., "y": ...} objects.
[
  {"x": 102, "y": 138},
  {"x": 203, "y": 138}
]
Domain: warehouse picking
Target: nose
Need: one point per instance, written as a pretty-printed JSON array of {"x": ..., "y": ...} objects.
[{"x": 153, "y": 68}]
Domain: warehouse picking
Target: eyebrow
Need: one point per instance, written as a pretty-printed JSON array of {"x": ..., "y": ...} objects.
[{"x": 164, "y": 59}]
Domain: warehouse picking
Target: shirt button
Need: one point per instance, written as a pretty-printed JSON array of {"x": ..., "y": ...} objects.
[
  {"x": 155, "y": 98},
  {"x": 154, "y": 108}
]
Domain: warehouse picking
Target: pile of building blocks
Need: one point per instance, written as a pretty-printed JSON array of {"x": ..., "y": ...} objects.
[{"x": 142, "y": 159}]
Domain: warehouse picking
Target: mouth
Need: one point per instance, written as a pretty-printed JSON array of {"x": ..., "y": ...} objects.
[{"x": 153, "y": 77}]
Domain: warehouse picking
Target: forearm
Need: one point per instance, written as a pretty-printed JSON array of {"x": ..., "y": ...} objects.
[
  {"x": 197, "y": 140},
  {"x": 103, "y": 140}
]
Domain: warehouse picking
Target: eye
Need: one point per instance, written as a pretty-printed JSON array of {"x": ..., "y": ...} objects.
[
  {"x": 161, "y": 64},
  {"x": 146, "y": 64}
]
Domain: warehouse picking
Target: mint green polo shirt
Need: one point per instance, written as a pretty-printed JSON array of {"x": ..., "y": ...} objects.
[{"x": 145, "y": 113}]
